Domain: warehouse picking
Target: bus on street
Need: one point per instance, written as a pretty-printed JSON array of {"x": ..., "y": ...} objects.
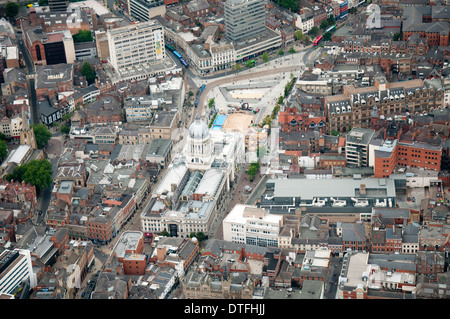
[{"x": 317, "y": 40}]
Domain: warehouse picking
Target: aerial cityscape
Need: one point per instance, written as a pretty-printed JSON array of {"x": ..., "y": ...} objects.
[{"x": 225, "y": 149}]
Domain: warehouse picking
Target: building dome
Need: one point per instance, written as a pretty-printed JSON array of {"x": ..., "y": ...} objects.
[{"x": 198, "y": 129}]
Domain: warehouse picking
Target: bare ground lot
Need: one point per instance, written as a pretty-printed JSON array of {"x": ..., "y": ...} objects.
[{"x": 238, "y": 121}]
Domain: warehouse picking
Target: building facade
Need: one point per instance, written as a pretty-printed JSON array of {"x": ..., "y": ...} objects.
[
  {"x": 244, "y": 19},
  {"x": 15, "y": 267},
  {"x": 136, "y": 44},
  {"x": 354, "y": 107}
]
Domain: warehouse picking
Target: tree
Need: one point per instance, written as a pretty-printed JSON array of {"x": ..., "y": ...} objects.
[
  {"x": 11, "y": 10},
  {"x": 326, "y": 36},
  {"x": 3, "y": 149},
  {"x": 397, "y": 36},
  {"x": 280, "y": 52},
  {"x": 299, "y": 35},
  {"x": 67, "y": 116},
  {"x": 331, "y": 20},
  {"x": 83, "y": 36},
  {"x": 266, "y": 121},
  {"x": 88, "y": 72},
  {"x": 280, "y": 100},
  {"x": 65, "y": 129},
  {"x": 314, "y": 31},
  {"x": 191, "y": 94},
  {"x": 237, "y": 67},
  {"x": 288, "y": 4},
  {"x": 199, "y": 235},
  {"x": 36, "y": 172},
  {"x": 324, "y": 24},
  {"x": 265, "y": 57},
  {"x": 211, "y": 103},
  {"x": 164, "y": 233},
  {"x": 42, "y": 135},
  {"x": 2, "y": 136},
  {"x": 291, "y": 50},
  {"x": 334, "y": 133},
  {"x": 253, "y": 170}
]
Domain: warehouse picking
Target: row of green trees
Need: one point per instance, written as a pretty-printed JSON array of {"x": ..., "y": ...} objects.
[
  {"x": 292, "y": 5},
  {"x": 265, "y": 57},
  {"x": 199, "y": 235}
]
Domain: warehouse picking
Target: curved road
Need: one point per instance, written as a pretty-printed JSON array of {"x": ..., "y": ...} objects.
[{"x": 238, "y": 77}]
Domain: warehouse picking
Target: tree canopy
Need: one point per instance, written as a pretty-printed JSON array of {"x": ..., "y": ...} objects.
[
  {"x": 199, "y": 235},
  {"x": 42, "y": 135},
  {"x": 88, "y": 72},
  {"x": 253, "y": 170},
  {"x": 299, "y": 35},
  {"x": 83, "y": 36},
  {"x": 265, "y": 57},
  {"x": 288, "y": 4},
  {"x": 327, "y": 36},
  {"x": 65, "y": 129},
  {"x": 3, "y": 149},
  {"x": 11, "y": 9},
  {"x": 314, "y": 31},
  {"x": 36, "y": 172}
]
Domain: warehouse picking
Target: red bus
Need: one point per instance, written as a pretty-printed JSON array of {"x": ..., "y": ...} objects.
[{"x": 317, "y": 40}]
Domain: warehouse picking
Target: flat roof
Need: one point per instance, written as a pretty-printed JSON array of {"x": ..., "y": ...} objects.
[
  {"x": 357, "y": 265},
  {"x": 308, "y": 189},
  {"x": 236, "y": 215},
  {"x": 127, "y": 242}
]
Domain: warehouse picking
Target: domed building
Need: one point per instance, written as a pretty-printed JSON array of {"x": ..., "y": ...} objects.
[
  {"x": 199, "y": 148},
  {"x": 197, "y": 180}
]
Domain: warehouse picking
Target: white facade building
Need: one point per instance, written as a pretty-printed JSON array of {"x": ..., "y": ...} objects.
[
  {"x": 11, "y": 127},
  {"x": 136, "y": 44},
  {"x": 251, "y": 225},
  {"x": 223, "y": 56},
  {"x": 197, "y": 181},
  {"x": 15, "y": 267},
  {"x": 304, "y": 22}
]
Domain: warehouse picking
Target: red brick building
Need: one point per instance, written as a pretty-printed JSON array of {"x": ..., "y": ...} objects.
[
  {"x": 407, "y": 154},
  {"x": 105, "y": 110},
  {"x": 132, "y": 258},
  {"x": 328, "y": 161},
  {"x": 419, "y": 155},
  {"x": 99, "y": 229}
]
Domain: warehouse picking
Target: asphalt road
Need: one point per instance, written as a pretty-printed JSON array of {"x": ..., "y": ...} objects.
[{"x": 33, "y": 101}]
